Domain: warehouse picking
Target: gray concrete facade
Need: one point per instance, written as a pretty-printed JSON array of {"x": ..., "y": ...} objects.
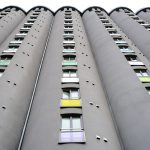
[{"x": 72, "y": 80}]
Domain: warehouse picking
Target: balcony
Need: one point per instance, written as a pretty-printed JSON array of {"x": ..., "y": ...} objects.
[
  {"x": 111, "y": 29},
  {"x": 66, "y": 24},
  {"x": 145, "y": 79},
  {"x": 10, "y": 50},
  {"x": 136, "y": 63},
  {"x": 20, "y": 34},
  {"x": 4, "y": 63},
  {"x": 115, "y": 34},
  {"x": 103, "y": 19},
  {"x": 68, "y": 42},
  {"x": 25, "y": 29},
  {"x": 72, "y": 137},
  {"x": 69, "y": 51},
  {"x": 15, "y": 42},
  {"x": 69, "y": 35},
  {"x": 69, "y": 63},
  {"x": 126, "y": 50},
  {"x": 120, "y": 42},
  {"x": 70, "y": 103},
  {"x": 107, "y": 23},
  {"x": 145, "y": 24},
  {"x": 70, "y": 80}
]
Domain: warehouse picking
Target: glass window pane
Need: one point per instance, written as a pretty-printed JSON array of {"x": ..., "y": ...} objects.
[
  {"x": 66, "y": 95},
  {"x": 73, "y": 74},
  {"x": 144, "y": 74},
  {"x": 65, "y": 74},
  {"x": 138, "y": 74},
  {"x": 65, "y": 123},
  {"x": 76, "y": 123},
  {"x": 74, "y": 94},
  {"x": 72, "y": 58}
]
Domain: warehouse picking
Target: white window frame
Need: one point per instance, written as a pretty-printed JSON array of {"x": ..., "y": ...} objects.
[
  {"x": 71, "y": 118},
  {"x": 69, "y": 92},
  {"x": 69, "y": 73}
]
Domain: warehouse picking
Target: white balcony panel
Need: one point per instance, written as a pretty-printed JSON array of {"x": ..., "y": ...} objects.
[
  {"x": 136, "y": 63},
  {"x": 70, "y": 80}
]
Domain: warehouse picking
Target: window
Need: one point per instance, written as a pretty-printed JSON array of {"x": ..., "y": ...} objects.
[
  {"x": 23, "y": 31},
  {"x": 68, "y": 32},
  {"x": 71, "y": 123},
  {"x": 141, "y": 73},
  {"x": 1, "y": 72},
  {"x": 68, "y": 38},
  {"x": 70, "y": 93},
  {"x": 148, "y": 90},
  {"x": 68, "y": 26},
  {"x": 69, "y": 49},
  {"x": 112, "y": 32},
  {"x": 69, "y": 73},
  {"x": 5, "y": 60},
  {"x": 19, "y": 38},
  {"x": 69, "y": 58},
  {"x": 72, "y": 129},
  {"x": 131, "y": 57},
  {"x": 68, "y": 21}
]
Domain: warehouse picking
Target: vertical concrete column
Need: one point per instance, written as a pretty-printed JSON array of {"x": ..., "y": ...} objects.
[
  {"x": 19, "y": 80},
  {"x": 128, "y": 98}
]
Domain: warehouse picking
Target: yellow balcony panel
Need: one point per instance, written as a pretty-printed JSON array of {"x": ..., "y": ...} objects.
[{"x": 70, "y": 103}]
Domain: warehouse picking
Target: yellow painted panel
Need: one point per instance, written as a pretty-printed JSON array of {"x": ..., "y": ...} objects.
[{"x": 70, "y": 103}]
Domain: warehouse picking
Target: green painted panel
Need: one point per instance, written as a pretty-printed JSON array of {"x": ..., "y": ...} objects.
[
  {"x": 4, "y": 62},
  {"x": 69, "y": 63},
  {"x": 144, "y": 79}
]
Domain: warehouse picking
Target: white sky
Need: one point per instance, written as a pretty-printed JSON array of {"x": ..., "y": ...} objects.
[{"x": 108, "y": 5}]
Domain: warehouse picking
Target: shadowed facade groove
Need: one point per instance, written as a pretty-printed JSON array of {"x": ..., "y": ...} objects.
[{"x": 74, "y": 80}]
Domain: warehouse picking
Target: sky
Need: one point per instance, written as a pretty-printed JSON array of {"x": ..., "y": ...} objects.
[{"x": 81, "y": 5}]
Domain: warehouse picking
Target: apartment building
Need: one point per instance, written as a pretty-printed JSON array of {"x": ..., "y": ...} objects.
[{"x": 74, "y": 80}]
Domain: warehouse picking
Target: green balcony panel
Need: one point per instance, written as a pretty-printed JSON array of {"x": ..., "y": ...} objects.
[
  {"x": 69, "y": 51},
  {"x": 69, "y": 63},
  {"x": 4, "y": 62},
  {"x": 144, "y": 79}
]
